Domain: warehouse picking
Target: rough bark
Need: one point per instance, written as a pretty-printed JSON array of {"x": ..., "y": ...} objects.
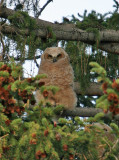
[
  {"x": 88, "y": 112},
  {"x": 93, "y": 90},
  {"x": 83, "y": 112},
  {"x": 109, "y": 39}
]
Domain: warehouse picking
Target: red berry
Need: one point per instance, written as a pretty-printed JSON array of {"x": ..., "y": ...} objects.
[
  {"x": 65, "y": 147},
  {"x": 46, "y": 132},
  {"x": 33, "y": 141},
  {"x": 43, "y": 155},
  {"x": 71, "y": 157},
  {"x": 58, "y": 137},
  {"x": 105, "y": 110},
  {"x": 38, "y": 154},
  {"x": 33, "y": 135},
  {"x": 7, "y": 122},
  {"x": 40, "y": 84},
  {"x": 45, "y": 93},
  {"x": 105, "y": 92},
  {"x": 55, "y": 124},
  {"x": 29, "y": 80}
]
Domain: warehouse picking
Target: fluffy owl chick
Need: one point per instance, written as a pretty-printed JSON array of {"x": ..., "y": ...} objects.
[{"x": 55, "y": 64}]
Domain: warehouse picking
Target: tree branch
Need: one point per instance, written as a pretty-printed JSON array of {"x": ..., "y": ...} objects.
[
  {"x": 82, "y": 112},
  {"x": 87, "y": 112},
  {"x": 39, "y": 13},
  {"x": 94, "y": 89},
  {"x": 3, "y": 46},
  {"x": 36, "y": 62},
  {"x": 109, "y": 39},
  {"x": 114, "y": 47}
]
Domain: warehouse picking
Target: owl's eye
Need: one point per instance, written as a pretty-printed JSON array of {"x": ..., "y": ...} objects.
[
  {"x": 59, "y": 56},
  {"x": 49, "y": 56}
]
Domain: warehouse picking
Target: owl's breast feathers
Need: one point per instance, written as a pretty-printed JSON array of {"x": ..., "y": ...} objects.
[{"x": 59, "y": 75}]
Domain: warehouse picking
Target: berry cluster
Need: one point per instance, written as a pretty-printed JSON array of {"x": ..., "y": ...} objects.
[
  {"x": 113, "y": 98},
  {"x": 115, "y": 85},
  {"x": 45, "y": 93},
  {"x": 25, "y": 96},
  {"x": 6, "y": 98},
  {"x": 10, "y": 104},
  {"x": 40, "y": 155}
]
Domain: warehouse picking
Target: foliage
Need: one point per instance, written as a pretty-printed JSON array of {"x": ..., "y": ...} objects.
[
  {"x": 82, "y": 54},
  {"x": 22, "y": 20},
  {"x": 110, "y": 100},
  {"x": 27, "y": 130},
  {"x": 26, "y": 47},
  {"x": 30, "y": 133},
  {"x": 92, "y": 22}
]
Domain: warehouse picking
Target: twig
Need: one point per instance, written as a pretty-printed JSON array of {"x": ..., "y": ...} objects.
[
  {"x": 106, "y": 154},
  {"x": 18, "y": 58},
  {"x": 39, "y": 13},
  {"x": 117, "y": 141},
  {"x": 9, "y": 58},
  {"x": 84, "y": 157},
  {"x": 3, "y": 136},
  {"x": 36, "y": 62},
  {"x": 26, "y": 72}
]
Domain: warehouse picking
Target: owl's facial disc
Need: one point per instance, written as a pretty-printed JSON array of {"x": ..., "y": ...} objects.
[
  {"x": 54, "y": 57},
  {"x": 57, "y": 57}
]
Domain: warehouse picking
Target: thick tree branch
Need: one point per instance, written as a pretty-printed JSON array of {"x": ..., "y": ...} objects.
[
  {"x": 109, "y": 39},
  {"x": 94, "y": 89},
  {"x": 82, "y": 112},
  {"x": 110, "y": 47},
  {"x": 87, "y": 112}
]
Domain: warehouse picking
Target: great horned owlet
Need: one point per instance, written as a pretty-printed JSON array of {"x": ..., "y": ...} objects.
[{"x": 56, "y": 65}]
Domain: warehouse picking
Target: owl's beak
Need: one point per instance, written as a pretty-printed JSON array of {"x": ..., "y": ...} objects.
[{"x": 54, "y": 59}]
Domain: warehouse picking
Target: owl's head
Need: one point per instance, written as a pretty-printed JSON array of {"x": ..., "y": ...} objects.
[{"x": 54, "y": 55}]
